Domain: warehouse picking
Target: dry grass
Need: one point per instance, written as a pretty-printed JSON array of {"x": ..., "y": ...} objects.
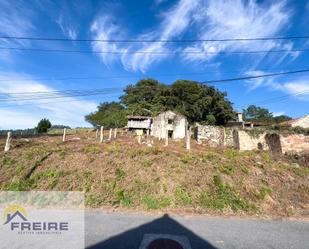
[{"x": 124, "y": 174}]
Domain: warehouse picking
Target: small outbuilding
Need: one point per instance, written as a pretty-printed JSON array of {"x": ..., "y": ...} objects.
[
  {"x": 169, "y": 124},
  {"x": 139, "y": 123}
]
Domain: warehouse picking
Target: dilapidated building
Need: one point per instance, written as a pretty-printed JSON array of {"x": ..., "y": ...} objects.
[
  {"x": 169, "y": 124},
  {"x": 139, "y": 123}
]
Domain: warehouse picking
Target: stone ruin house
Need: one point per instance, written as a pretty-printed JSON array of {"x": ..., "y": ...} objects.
[
  {"x": 234, "y": 135},
  {"x": 165, "y": 124},
  {"x": 169, "y": 124}
]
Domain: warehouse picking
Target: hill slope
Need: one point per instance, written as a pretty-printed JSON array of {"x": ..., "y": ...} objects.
[{"x": 126, "y": 175}]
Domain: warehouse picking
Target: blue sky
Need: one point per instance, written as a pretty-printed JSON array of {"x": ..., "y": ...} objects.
[{"x": 157, "y": 19}]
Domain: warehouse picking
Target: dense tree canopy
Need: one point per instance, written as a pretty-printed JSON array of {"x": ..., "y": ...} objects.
[
  {"x": 43, "y": 125},
  {"x": 255, "y": 113},
  {"x": 199, "y": 103},
  {"x": 109, "y": 115}
]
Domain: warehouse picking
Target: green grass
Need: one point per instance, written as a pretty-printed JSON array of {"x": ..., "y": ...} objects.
[
  {"x": 230, "y": 153},
  {"x": 210, "y": 157},
  {"x": 182, "y": 196},
  {"x": 150, "y": 202},
  {"x": 223, "y": 196},
  {"x": 92, "y": 149},
  {"x": 7, "y": 162},
  {"x": 187, "y": 159},
  {"x": 227, "y": 169},
  {"x": 264, "y": 192},
  {"x": 120, "y": 174}
]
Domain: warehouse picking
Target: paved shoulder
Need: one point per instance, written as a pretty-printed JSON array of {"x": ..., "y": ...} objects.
[{"x": 127, "y": 231}]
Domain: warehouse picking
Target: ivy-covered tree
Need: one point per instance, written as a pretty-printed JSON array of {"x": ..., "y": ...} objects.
[{"x": 43, "y": 125}]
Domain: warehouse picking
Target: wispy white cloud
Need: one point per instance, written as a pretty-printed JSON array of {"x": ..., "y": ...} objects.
[
  {"x": 297, "y": 87},
  {"x": 105, "y": 28},
  {"x": 71, "y": 113},
  {"x": 205, "y": 20},
  {"x": 174, "y": 22},
  {"x": 15, "y": 20},
  {"x": 66, "y": 27},
  {"x": 235, "y": 19}
]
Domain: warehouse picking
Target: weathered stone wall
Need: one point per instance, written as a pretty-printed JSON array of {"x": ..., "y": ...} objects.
[
  {"x": 294, "y": 143},
  {"x": 210, "y": 135},
  {"x": 228, "y": 137},
  {"x": 245, "y": 140},
  {"x": 214, "y": 135}
]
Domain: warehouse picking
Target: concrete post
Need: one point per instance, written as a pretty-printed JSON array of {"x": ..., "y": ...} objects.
[
  {"x": 101, "y": 134},
  {"x": 148, "y": 136},
  {"x": 166, "y": 137},
  {"x": 8, "y": 142},
  {"x": 139, "y": 139},
  {"x": 110, "y": 134},
  {"x": 115, "y": 133},
  {"x": 188, "y": 139},
  {"x": 64, "y": 134}
]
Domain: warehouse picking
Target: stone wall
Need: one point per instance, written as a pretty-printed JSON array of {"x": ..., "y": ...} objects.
[
  {"x": 245, "y": 140},
  {"x": 294, "y": 143},
  {"x": 214, "y": 136}
]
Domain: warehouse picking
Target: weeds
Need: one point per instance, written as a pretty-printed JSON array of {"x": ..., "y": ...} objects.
[
  {"x": 182, "y": 196},
  {"x": 264, "y": 192},
  {"x": 92, "y": 149},
  {"x": 120, "y": 174},
  {"x": 224, "y": 196},
  {"x": 187, "y": 159},
  {"x": 228, "y": 170}
]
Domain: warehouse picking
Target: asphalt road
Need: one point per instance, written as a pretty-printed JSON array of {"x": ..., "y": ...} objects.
[{"x": 126, "y": 231}]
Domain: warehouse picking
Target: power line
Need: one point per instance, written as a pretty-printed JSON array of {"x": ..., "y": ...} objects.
[
  {"x": 254, "y": 77},
  {"x": 153, "y": 52},
  {"x": 155, "y": 40},
  {"x": 51, "y": 102},
  {"x": 23, "y": 96},
  {"x": 137, "y": 76}
]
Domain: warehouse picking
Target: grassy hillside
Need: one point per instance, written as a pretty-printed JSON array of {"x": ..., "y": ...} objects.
[{"x": 123, "y": 174}]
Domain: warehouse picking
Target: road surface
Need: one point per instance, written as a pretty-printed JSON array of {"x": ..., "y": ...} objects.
[{"x": 126, "y": 231}]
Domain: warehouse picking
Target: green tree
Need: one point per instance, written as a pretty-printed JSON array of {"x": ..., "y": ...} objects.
[
  {"x": 200, "y": 103},
  {"x": 255, "y": 113},
  {"x": 149, "y": 97},
  {"x": 146, "y": 97},
  {"x": 110, "y": 115},
  {"x": 43, "y": 125}
]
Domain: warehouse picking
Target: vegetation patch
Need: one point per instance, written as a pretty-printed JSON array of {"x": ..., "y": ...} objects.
[{"x": 223, "y": 196}]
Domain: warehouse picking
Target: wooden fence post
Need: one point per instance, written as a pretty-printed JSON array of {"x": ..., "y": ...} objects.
[
  {"x": 115, "y": 133},
  {"x": 188, "y": 138},
  {"x": 110, "y": 134},
  {"x": 101, "y": 134},
  {"x": 64, "y": 134},
  {"x": 8, "y": 142}
]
